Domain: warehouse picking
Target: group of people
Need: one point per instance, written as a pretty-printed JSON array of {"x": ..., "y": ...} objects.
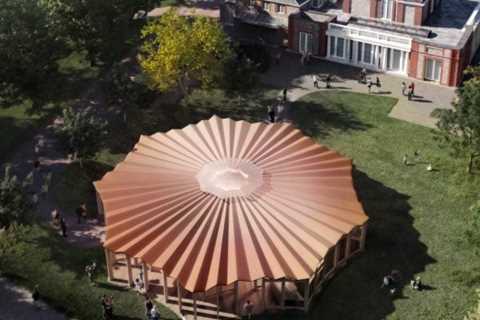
[
  {"x": 328, "y": 81},
  {"x": 363, "y": 79},
  {"x": 416, "y": 157},
  {"x": 408, "y": 91},
  {"x": 391, "y": 281}
]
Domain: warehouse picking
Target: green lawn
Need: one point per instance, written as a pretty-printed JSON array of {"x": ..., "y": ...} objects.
[
  {"x": 19, "y": 121},
  {"x": 417, "y": 218}
]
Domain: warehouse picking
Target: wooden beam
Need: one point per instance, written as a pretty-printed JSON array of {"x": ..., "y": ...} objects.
[
  {"x": 108, "y": 261},
  {"x": 145, "y": 276},
  {"x": 129, "y": 271},
  {"x": 165, "y": 286},
  {"x": 282, "y": 299},
  {"x": 363, "y": 237},
  {"x": 179, "y": 294}
]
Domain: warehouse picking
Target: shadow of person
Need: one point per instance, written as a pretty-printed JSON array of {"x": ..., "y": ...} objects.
[{"x": 392, "y": 244}]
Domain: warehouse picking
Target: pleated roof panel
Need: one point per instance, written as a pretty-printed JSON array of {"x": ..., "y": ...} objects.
[{"x": 223, "y": 200}]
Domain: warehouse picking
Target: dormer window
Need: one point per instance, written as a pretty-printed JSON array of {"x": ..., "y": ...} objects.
[
  {"x": 317, "y": 3},
  {"x": 279, "y": 8}
]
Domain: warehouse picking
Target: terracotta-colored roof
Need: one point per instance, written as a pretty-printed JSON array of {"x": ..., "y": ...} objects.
[{"x": 224, "y": 200}]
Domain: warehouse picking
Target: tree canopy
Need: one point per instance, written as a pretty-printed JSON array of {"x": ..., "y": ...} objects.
[
  {"x": 29, "y": 44},
  {"x": 178, "y": 50},
  {"x": 460, "y": 127}
]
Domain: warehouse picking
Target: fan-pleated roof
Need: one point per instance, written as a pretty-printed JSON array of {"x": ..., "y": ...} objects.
[{"x": 224, "y": 200}]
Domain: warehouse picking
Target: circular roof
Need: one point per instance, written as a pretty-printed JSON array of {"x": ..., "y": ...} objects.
[{"x": 224, "y": 200}]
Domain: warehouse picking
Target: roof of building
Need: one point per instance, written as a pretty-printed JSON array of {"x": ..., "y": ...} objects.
[
  {"x": 260, "y": 17},
  {"x": 292, "y": 3},
  {"x": 223, "y": 201}
]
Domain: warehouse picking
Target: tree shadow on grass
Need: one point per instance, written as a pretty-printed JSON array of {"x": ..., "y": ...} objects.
[
  {"x": 392, "y": 244},
  {"x": 316, "y": 120}
]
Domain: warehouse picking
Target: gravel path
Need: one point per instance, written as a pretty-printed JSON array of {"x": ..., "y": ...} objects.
[{"x": 16, "y": 304}]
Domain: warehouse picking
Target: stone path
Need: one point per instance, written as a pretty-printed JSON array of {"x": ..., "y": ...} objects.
[
  {"x": 16, "y": 304},
  {"x": 298, "y": 79}
]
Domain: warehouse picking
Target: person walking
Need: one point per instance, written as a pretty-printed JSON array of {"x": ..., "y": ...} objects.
[
  {"x": 148, "y": 307},
  {"x": 410, "y": 92},
  {"x": 284, "y": 95},
  {"x": 154, "y": 313},
  {"x": 369, "y": 86},
  {"x": 378, "y": 84},
  {"x": 35, "y": 295},
  {"x": 412, "y": 86},
  {"x": 363, "y": 75},
  {"x": 315, "y": 81},
  {"x": 328, "y": 79},
  {"x": 63, "y": 227},
  {"x": 404, "y": 88},
  {"x": 81, "y": 212},
  {"x": 271, "y": 113}
]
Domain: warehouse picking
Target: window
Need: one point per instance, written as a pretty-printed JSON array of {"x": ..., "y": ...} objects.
[
  {"x": 367, "y": 53},
  {"x": 252, "y": 3},
  {"x": 433, "y": 69},
  {"x": 386, "y": 9},
  {"x": 359, "y": 51},
  {"x": 266, "y": 6},
  {"x": 340, "y": 47},
  {"x": 279, "y": 8},
  {"x": 332, "y": 46},
  {"x": 305, "y": 42},
  {"x": 317, "y": 3}
]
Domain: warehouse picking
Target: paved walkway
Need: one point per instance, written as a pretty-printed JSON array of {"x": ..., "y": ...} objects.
[
  {"x": 16, "y": 304},
  {"x": 298, "y": 79}
]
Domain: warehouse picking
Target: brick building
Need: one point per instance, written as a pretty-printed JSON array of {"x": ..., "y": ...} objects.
[{"x": 431, "y": 40}]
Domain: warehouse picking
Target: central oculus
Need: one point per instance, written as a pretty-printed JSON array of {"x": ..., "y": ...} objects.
[{"x": 230, "y": 178}]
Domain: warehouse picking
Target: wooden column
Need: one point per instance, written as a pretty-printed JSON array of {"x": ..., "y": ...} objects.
[
  {"x": 282, "y": 299},
  {"x": 363, "y": 237},
  {"x": 145, "y": 276},
  {"x": 165, "y": 286},
  {"x": 219, "y": 292},
  {"x": 348, "y": 246},
  {"x": 306, "y": 295},
  {"x": 179, "y": 294},
  {"x": 264, "y": 294},
  {"x": 129, "y": 271},
  {"x": 235, "y": 297},
  {"x": 336, "y": 254},
  {"x": 194, "y": 306},
  {"x": 109, "y": 262}
]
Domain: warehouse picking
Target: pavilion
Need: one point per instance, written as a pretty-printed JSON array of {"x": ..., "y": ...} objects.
[{"x": 225, "y": 211}]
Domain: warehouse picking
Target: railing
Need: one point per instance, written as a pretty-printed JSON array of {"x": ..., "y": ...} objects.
[{"x": 355, "y": 32}]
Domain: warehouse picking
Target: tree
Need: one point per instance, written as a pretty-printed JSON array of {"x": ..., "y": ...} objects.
[
  {"x": 29, "y": 46},
  {"x": 178, "y": 50},
  {"x": 99, "y": 27},
  {"x": 473, "y": 232},
  {"x": 15, "y": 204},
  {"x": 460, "y": 127},
  {"x": 81, "y": 132}
]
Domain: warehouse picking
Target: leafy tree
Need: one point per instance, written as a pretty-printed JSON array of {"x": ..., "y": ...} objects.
[
  {"x": 99, "y": 27},
  {"x": 15, "y": 203},
  {"x": 475, "y": 314},
  {"x": 178, "y": 50},
  {"x": 29, "y": 46},
  {"x": 460, "y": 127},
  {"x": 81, "y": 132},
  {"x": 473, "y": 232}
]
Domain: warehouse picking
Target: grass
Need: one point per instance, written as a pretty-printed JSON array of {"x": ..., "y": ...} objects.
[
  {"x": 39, "y": 256},
  {"x": 20, "y": 121},
  {"x": 417, "y": 218}
]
